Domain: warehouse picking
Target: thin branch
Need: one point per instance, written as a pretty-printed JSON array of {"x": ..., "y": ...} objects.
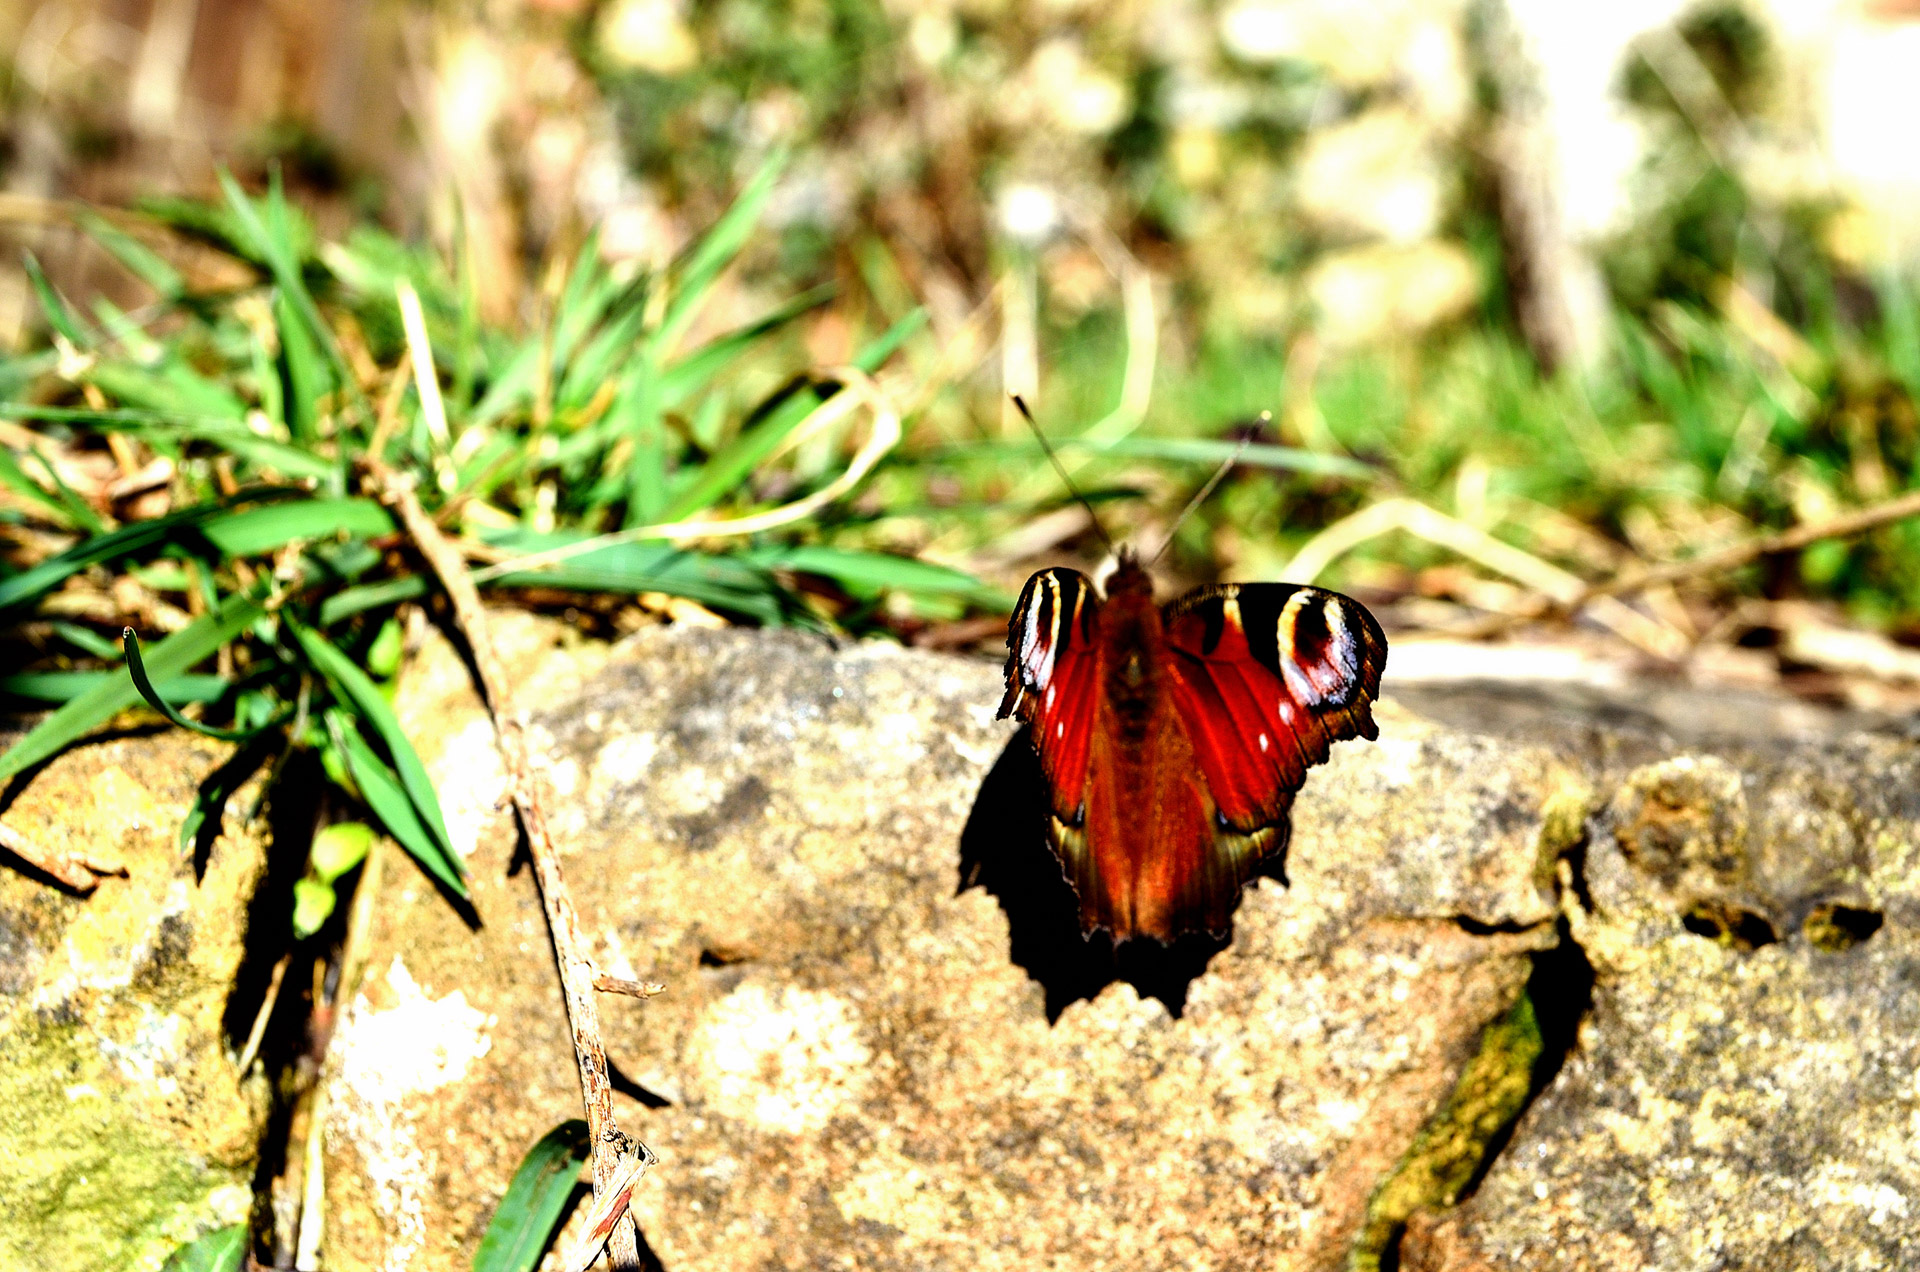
[
  {"x": 1843, "y": 527},
  {"x": 71, "y": 870},
  {"x": 258, "y": 1033},
  {"x": 577, "y": 973},
  {"x": 618, "y": 1161},
  {"x": 631, "y": 988}
]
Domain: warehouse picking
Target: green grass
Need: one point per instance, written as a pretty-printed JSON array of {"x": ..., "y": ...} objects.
[{"x": 623, "y": 405}]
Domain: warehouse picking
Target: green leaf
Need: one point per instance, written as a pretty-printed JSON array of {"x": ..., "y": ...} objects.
[
  {"x": 87, "y": 640},
  {"x": 712, "y": 254},
  {"x": 730, "y": 466},
  {"x": 1901, "y": 332},
  {"x": 307, "y": 377},
  {"x": 383, "y": 655},
  {"x": 536, "y": 1201},
  {"x": 261, "y": 530},
  {"x": 883, "y": 346},
  {"x": 724, "y": 582},
  {"x": 68, "y": 511},
  {"x": 172, "y": 390},
  {"x": 389, "y": 802},
  {"x": 64, "y": 686},
  {"x": 172, "y": 656},
  {"x": 313, "y": 903},
  {"x": 221, "y": 1251},
  {"x": 691, "y": 373},
  {"x": 349, "y": 601},
  {"x": 275, "y": 246},
  {"x": 137, "y": 669},
  {"x": 371, "y": 705},
  {"x": 142, "y": 261},
  {"x": 339, "y": 848},
  {"x": 874, "y": 571},
  {"x": 139, "y": 537},
  {"x": 59, "y": 317}
]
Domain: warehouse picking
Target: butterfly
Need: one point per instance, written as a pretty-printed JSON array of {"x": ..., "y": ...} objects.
[{"x": 1173, "y": 737}]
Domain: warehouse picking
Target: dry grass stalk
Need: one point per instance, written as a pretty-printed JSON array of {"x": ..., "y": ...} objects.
[
  {"x": 618, "y": 1161},
  {"x": 1477, "y": 545},
  {"x": 71, "y": 870}
]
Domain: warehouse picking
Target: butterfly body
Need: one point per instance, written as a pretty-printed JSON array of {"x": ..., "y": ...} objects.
[{"x": 1173, "y": 737}]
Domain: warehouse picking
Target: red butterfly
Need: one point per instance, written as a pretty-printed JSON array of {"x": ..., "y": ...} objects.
[{"x": 1173, "y": 737}]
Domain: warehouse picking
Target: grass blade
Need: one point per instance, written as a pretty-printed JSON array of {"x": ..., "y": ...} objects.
[
  {"x": 723, "y": 582},
  {"x": 349, "y": 601},
  {"x": 714, "y": 253},
  {"x": 730, "y": 466},
  {"x": 358, "y": 689},
  {"x": 65, "y": 686},
  {"x": 171, "y": 657},
  {"x": 261, "y": 530},
  {"x": 536, "y": 1201},
  {"x": 389, "y": 802},
  {"x": 283, "y": 262},
  {"x": 138, "y": 670},
  {"x": 691, "y": 373},
  {"x": 141, "y": 261},
  {"x": 59, "y": 317},
  {"x": 138, "y": 537},
  {"x": 15, "y": 478},
  {"x": 869, "y": 572}
]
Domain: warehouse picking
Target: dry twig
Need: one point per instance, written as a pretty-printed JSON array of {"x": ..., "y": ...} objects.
[
  {"x": 1842, "y": 527},
  {"x": 619, "y": 1162},
  {"x": 72, "y": 870},
  {"x": 607, "y": 984},
  {"x": 577, "y": 973},
  {"x": 1475, "y": 544}
]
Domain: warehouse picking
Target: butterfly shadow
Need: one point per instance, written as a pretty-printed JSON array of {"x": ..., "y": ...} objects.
[{"x": 1004, "y": 850}]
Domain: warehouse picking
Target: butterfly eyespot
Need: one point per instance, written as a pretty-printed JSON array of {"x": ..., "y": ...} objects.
[{"x": 1263, "y": 744}]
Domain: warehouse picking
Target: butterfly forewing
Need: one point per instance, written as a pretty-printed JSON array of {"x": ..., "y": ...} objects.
[
  {"x": 1052, "y": 677},
  {"x": 1267, "y": 677}
]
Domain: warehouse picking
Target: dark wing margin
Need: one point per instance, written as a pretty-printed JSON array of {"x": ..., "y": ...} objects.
[
  {"x": 1051, "y": 678},
  {"x": 1267, "y": 676}
]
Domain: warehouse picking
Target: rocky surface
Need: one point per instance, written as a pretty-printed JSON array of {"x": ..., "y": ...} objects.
[
  {"x": 1746, "y": 1090},
  {"x": 1686, "y": 961},
  {"x": 864, "y": 1062},
  {"x": 125, "y": 1125}
]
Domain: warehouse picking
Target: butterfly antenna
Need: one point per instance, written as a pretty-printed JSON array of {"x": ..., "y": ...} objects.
[
  {"x": 1021, "y": 405},
  {"x": 1219, "y": 475}
]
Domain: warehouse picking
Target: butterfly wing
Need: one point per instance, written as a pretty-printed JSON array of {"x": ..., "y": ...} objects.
[
  {"x": 1052, "y": 679},
  {"x": 1265, "y": 678}
]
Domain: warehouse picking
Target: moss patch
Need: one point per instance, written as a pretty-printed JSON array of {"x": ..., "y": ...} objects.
[
  {"x": 1448, "y": 1152},
  {"x": 87, "y": 1175}
]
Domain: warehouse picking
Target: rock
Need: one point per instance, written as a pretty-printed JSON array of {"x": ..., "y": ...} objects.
[
  {"x": 865, "y": 1060},
  {"x": 1743, "y": 1093},
  {"x": 126, "y": 1127},
  {"x": 885, "y": 1045}
]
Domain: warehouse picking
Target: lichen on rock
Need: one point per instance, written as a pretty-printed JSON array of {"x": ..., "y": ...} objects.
[{"x": 125, "y": 1125}]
